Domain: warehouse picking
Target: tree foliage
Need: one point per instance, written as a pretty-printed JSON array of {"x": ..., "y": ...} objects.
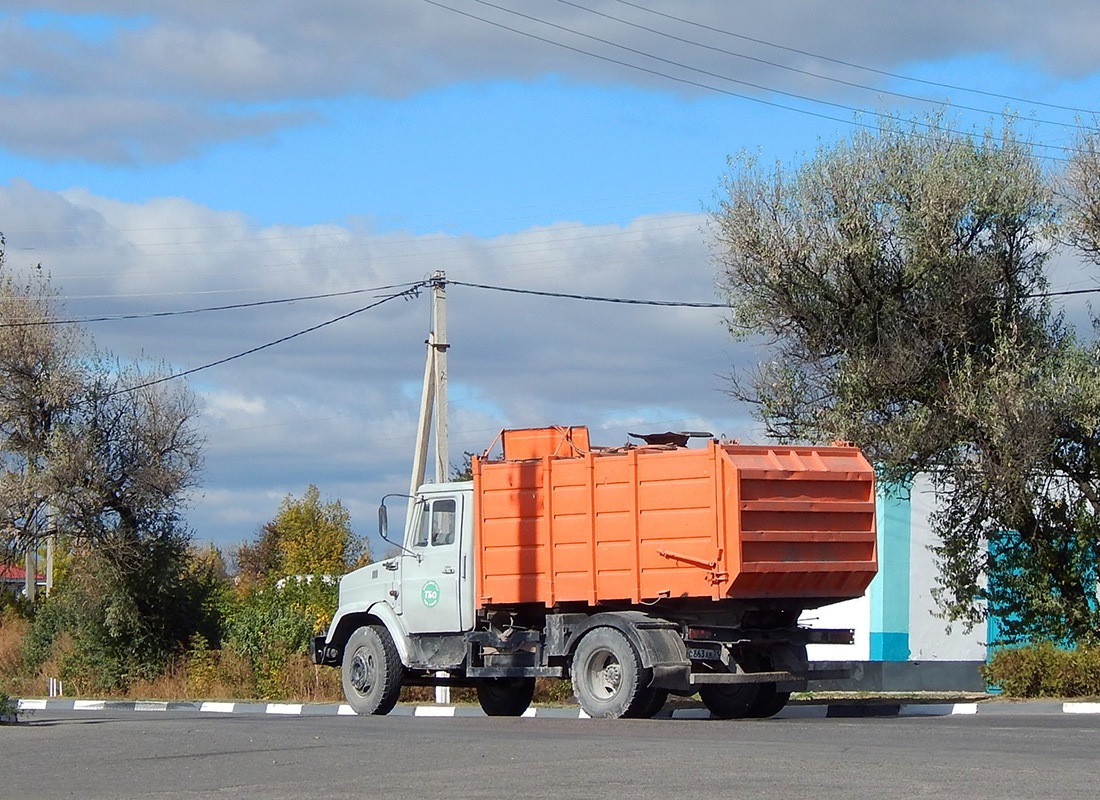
[
  {"x": 119, "y": 618},
  {"x": 307, "y": 537},
  {"x": 287, "y": 589},
  {"x": 1081, "y": 191},
  {"x": 41, "y": 377},
  {"x": 899, "y": 275},
  {"x": 89, "y": 447},
  {"x": 98, "y": 455}
]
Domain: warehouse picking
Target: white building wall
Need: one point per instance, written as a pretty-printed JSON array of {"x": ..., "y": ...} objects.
[
  {"x": 855, "y": 614},
  {"x": 929, "y": 637}
]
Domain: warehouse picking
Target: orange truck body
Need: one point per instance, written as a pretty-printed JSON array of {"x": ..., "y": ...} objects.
[{"x": 557, "y": 521}]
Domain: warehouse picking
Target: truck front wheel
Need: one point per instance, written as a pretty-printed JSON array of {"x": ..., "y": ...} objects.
[
  {"x": 371, "y": 671},
  {"x": 608, "y": 677},
  {"x": 505, "y": 697}
]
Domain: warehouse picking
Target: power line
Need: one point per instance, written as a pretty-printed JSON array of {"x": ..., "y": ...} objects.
[
  {"x": 592, "y": 298},
  {"x": 698, "y": 84},
  {"x": 414, "y": 290},
  {"x": 853, "y": 65},
  {"x": 1065, "y": 292},
  {"x": 410, "y": 292},
  {"x": 681, "y": 304},
  {"x": 412, "y": 287},
  {"x": 232, "y": 307},
  {"x": 809, "y": 73}
]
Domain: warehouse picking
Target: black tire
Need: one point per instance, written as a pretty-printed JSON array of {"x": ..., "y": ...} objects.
[
  {"x": 731, "y": 700},
  {"x": 657, "y": 699},
  {"x": 769, "y": 702},
  {"x": 505, "y": 697},
  {"x": 371, "y": 671},
  {"x": 608, "y": 678}
]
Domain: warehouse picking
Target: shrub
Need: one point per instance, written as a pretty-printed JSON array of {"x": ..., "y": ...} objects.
[
  {"x": 124, "y": 615},
  {"x": 1042, "y": 670},
  {"x": 270, "y": 630}
]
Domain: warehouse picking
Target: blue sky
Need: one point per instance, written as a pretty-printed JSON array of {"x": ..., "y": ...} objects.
[
  {"x": 158, "y": 155},
  {"x": 472, "y": 158}
]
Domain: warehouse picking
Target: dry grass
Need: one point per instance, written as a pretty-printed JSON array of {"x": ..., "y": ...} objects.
[
  {"x": 224, "y": 675},
  {"x": 12, "y": 630},
  {"x": 305, "y": 682},
  {"x": 14, "y": 679}
]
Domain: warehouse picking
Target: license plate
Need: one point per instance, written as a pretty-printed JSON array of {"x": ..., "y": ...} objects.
[{"x": 704, "y": 654}]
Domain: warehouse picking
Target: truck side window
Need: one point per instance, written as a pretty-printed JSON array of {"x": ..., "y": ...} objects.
[
  {"x": 443, "y": 522},
  {"x": 425, "y": 521}
]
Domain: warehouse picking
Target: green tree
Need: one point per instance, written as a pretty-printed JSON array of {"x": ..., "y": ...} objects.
[
  {"x": 114, "y": 620},
  {"x": 41, "y": 377},
  {"x": 465, "y": 470},
  {"x": 99, "y": 455},
  {"x": 287, "y": 589},
  {"x": 307, "y": 537},
  {"x": 899, "y": 275},
  {"x": 1081, "y": 192},
  {"x": 315, "y": 538}
]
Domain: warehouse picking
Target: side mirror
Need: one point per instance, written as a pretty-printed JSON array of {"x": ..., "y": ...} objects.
[{"x": 383, "y": 526}]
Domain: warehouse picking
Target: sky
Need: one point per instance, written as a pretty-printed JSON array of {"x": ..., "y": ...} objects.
[{"x": 161, "y": 156}]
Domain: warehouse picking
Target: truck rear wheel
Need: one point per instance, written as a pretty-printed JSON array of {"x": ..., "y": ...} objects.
[
  {"x": 371, "y": 671},
  {"x": 657, "y": 700},
  {"x": 505, "y": 697},
  {"x": 730, "y": 700},
  {"x": 769, "y": 702},
  {"x": 608, "y": 677}
]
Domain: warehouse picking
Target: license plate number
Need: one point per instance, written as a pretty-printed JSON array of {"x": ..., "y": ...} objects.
[{"x": 704, "y": 653}]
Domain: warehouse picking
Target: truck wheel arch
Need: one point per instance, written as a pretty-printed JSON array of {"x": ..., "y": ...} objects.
[
  {"x": 656, "y": 641},
  {"x": 349, "y": 621}
]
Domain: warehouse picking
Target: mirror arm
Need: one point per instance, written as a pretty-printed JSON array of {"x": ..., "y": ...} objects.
[{"x": 383, "y": 518}]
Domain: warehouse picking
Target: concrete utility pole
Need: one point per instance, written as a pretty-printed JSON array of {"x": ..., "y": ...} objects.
[
  {"x": 51, "y": 545},
  {"x": 439, "y": 349},
  {"x": 30, "y": 580},
  {"x": 433, "y": 397}
]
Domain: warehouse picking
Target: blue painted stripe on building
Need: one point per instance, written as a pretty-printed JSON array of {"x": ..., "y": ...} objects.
[
  {"x": 889, "y": 591},
  {"x": 889, "y": 646}
]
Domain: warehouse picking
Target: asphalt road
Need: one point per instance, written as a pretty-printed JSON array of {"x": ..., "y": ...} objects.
[{"x": 188, "y": 755}]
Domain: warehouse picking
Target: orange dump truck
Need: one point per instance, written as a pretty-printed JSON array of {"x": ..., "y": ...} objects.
[{"x": 634, "y": 571}]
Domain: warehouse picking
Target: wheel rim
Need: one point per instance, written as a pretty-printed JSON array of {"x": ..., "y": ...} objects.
[
  {"x": 605, "y": 674},
  {"x": 362, "y": 671}
]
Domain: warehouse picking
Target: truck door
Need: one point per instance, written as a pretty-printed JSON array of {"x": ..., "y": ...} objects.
[{"x": 430, "y": 584}]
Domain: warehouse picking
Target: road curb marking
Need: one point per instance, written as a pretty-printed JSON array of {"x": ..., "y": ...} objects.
[
  {"x": 1081, "y": 708},
  {"x": 796, "y": 711}
]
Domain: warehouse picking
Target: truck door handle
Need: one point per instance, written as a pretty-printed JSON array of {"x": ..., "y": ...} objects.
[
  {"x": 390, "y": 565},
  {"x": 448, "y": 570}
]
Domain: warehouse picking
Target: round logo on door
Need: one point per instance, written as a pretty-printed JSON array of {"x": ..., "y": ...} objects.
[{"x": 429, "y": 595}]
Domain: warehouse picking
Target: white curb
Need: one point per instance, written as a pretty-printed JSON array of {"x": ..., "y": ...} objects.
[
  {"x": 1081, "y": 708},
  {"x": 284, "y": 708},
  {"x": 217, "y": 708}
]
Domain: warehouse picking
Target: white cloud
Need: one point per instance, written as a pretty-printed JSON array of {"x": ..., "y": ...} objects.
[
  {"x": 233, "y": 406},
  {"x": 162, "y": 80},
  {"x": 333, "y": 407}
]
